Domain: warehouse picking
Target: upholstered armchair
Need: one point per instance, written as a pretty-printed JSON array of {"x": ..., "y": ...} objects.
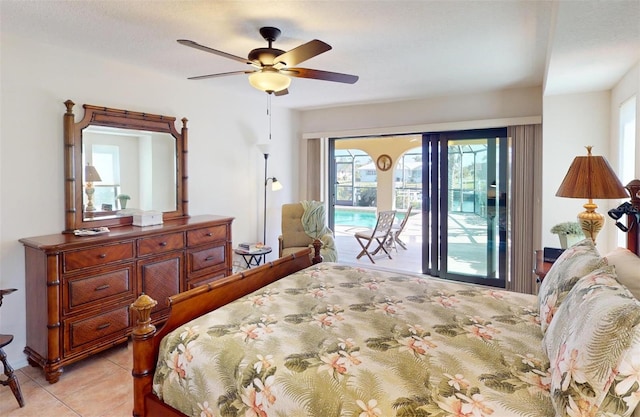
[{"x": 294, "y": 237}]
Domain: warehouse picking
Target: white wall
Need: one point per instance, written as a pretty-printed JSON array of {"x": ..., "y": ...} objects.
[
  {"x": 434, "y": 113},
  {"x": 571, "y": 122},
  {"x": 225, "y": 167}
]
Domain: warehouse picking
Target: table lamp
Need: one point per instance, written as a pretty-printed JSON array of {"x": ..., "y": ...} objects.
[
  {"x": 90, "y": 176},
  {"x": 591, "y": 177}
]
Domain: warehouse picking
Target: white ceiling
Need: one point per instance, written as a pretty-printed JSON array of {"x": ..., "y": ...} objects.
[{"x": 400, "y": 49}]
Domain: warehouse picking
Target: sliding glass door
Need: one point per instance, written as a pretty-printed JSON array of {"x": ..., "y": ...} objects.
[{"x": 465, "y": 209}]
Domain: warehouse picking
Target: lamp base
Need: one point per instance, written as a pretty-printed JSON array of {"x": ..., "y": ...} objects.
[
  {"x": 89, "y": 190},
  {"x": 590, "y": 221}
]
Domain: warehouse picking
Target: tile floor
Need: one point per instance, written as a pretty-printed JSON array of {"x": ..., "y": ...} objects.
[{"x": 96, "y": 387}]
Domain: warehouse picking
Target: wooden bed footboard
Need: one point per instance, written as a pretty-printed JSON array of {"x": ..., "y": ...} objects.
[{"x": 189, "y": 305}]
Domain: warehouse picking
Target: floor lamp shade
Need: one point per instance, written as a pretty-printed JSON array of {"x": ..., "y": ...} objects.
[{"x": 591, "y": 177}]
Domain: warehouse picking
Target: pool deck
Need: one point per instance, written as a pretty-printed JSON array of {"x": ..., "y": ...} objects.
[
  {"x": 467, "y": 246},
  {"x": 409, "y": 260}
]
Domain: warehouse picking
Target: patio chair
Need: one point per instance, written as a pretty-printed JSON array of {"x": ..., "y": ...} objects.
[
  {"x": 373, "y": 240},
  {"x": 396, "y": 230}
]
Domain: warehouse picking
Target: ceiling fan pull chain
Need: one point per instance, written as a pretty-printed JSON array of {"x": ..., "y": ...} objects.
[{"x": 269, "y": 113}]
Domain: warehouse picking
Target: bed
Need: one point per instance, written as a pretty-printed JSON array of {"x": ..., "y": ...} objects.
[{"x": 326, "y": 339}]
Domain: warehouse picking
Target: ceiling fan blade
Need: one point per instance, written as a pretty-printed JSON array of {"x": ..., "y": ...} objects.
[
  {"x": 196, "y": 45},
  {"x": 321, "y": 75},
  {"x": 222, "y": 74},
  {"x": 302, "y": 53}
]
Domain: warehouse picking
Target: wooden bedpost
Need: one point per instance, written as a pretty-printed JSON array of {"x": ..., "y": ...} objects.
[
  {"x": 633, "y": 235},
  {"x": 143, "y": 361},
  {"x": 187, "y": 306},
  {"x": 317, "y": 245}
]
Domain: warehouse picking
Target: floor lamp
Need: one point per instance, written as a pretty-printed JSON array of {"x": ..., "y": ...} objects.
[{"x": 275, "y": 186}]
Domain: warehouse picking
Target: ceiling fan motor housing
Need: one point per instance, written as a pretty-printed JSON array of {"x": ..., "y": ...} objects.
[{"x": 264, "y": 55}]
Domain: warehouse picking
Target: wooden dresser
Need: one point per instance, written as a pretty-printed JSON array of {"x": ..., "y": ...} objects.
[{"x": 79, "y": 289}]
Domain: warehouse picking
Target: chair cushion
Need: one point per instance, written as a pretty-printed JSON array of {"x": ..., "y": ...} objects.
[
  {"x": 293, "y": 234},
  {"x": 292, "y": 250}
]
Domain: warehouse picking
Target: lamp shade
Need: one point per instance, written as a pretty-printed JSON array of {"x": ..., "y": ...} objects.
[
  {"x": 269, "y": 80},
  {"x": 591, "y": 177},
  {"x": 91, "y": 174},
  {"x": 276, "y": 185}
]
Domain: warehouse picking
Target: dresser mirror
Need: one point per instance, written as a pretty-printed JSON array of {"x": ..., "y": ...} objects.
[{"x": 120, "y": 162}]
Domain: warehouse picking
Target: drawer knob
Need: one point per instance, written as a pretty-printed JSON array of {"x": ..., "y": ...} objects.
[
  {"x": 102, "y": 255},
  {"x": 209, "y": 234},
  {"x": 102, "y": 287},
  {"x": 103, "y": 326},
  {"x": 163, "y": 243},
  {"x": 209, "y": 258}
]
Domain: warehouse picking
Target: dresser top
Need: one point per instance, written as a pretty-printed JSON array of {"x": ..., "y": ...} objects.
[{"x": 69, "y": 240}]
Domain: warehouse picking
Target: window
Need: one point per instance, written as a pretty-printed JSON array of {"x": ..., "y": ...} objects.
[
  {"x": 627, "y": 140},
  {"x": 106, "y": 159},
  {"x": 626, "y": 148}
]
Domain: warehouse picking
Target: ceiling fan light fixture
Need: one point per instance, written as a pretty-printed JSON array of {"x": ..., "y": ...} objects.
[{"x": 269, "y": 80}]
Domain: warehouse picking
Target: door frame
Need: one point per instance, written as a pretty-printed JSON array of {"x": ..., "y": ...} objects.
[{"x": 434, "y": 229}]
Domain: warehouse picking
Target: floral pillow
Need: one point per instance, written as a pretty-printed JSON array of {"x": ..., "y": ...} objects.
[
  {"x": 627, "y": 266},
  {"x": 593, "y": 344},
  {"x": 574, "y": 263}
]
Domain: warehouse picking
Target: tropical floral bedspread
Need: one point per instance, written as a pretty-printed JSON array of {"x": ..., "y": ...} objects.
[{"x": 334, "y": 340}]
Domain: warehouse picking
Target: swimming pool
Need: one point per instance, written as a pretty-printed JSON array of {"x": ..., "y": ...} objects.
[{"x": 357, "y": 217}]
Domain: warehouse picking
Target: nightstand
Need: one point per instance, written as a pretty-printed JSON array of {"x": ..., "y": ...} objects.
[{"x": 541, "y": 267}]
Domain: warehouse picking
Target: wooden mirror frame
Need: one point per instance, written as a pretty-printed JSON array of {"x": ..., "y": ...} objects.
[{"x": 104, "y": 116}]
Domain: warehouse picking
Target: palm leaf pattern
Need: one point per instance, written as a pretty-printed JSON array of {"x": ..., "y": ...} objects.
[
  {"x": 592, "y": 335},
  {"x": 334, "y": 340}
]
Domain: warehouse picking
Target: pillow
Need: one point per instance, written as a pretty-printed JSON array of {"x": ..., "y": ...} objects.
[
  {"x": 574, "y": 263},
  {"x": 593, "y": 344},
  {"x": 627, "y": 266}
]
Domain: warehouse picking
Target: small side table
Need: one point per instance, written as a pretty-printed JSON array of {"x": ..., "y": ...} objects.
[{"x": 253, "y": 258}]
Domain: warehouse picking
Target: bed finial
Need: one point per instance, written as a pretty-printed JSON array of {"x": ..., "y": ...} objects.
[
  {"x": 634, "y": 190},
  {"x": 317, "y": 245},
  {"x": 143, "y": 306}
]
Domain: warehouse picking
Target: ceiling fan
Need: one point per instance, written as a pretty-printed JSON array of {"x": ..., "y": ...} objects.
[{"x": 273, "y": 67}]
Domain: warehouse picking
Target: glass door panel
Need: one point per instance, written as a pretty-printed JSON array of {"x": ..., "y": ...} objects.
[
  {"x": 467, "y": 225},
  {"x": 469, "y": 220}
]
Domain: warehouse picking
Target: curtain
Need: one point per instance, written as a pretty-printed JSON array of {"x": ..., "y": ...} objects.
[
  {"x": 526, "y": 203},
  {"x": 314, "y": 170}
]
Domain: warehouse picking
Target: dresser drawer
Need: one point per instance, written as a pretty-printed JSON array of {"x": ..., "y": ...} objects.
[
  {"x": 207, "y": 235},
  {"x": 87, "y": 291},
  {"x": 99, "y": 255},
  {"x": 207, "y": 279},
  {"x": 206, "y": 259},
  {"x": 80, "y": 332},
  {"x": 160, "y": 244}
]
